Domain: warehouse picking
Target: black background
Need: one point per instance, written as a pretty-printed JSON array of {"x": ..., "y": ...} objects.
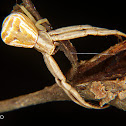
[{"x": 23, "y": 71}]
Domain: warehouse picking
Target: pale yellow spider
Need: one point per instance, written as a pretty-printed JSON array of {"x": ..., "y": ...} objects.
[{"x": 22, "y": 30}]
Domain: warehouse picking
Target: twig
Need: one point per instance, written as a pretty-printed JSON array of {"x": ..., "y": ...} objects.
[
  {"x": 100, "y": 78},
  {"x": 95, "y": 86},
  {"x": 97, "y": 59},
  {"x": 30, "y": 6},
  {"x": 48, "y": 94}
]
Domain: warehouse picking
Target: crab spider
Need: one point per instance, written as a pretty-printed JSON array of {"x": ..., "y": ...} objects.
[{"x": 22, "y": 30}]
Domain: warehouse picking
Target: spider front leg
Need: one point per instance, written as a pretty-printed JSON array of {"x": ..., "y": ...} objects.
[
  {"x": 73, "y": 32},
  {"x": 61, "y": 81}
]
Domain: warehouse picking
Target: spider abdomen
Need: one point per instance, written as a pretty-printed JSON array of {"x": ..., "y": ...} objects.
[{"x": 18, "y": 30}]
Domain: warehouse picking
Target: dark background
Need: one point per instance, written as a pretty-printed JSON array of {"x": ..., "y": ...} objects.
[{"x": 23, "y": 70}]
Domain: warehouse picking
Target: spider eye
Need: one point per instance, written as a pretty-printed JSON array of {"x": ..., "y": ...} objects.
[{"x": 18, "y": 30}]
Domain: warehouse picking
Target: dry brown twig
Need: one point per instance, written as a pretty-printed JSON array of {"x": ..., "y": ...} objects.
[{"x": 93, "y": 79}]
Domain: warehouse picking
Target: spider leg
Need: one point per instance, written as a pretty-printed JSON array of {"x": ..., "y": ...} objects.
[
  {"x": 27, "y": 13},
  {"x": 73, "y": 32},
  {"x": 39, "y": 23},
  {"x": 61, "y": 81},
  {"x": 71, "y": 28}
]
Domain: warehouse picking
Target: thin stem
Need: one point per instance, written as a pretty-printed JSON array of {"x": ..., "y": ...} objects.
[{"x": 48, "y": 94}]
